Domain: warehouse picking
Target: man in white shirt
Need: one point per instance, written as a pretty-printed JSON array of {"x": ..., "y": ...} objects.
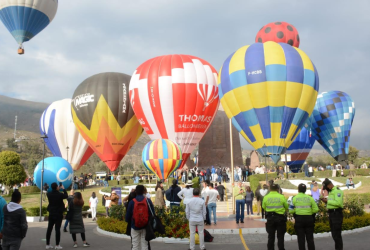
[
  {"x": 196, "y": 214},
  {"x": 212, "y": 196}
]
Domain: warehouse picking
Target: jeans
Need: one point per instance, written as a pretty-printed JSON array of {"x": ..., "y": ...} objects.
[
  {"x": 219, "y": 178},
  {"x": 236, "y": 178},
  {"x": 212, "y": 208},
  {"x": 249, "y": 206},
  {"x": 54, "y": 219},
  {"x": 10, "y": 243},
  {"x": 172, "y": 205},
  {"x": 192, "y": 227},
  {"x": 240, "y": 210},
  {"x": 66, "y": 224},
  {"x": 106, "y": 184},
  {"x": 138, "y": 239},
  {"x": 348, "y": 185},
  {"x": 82, "y": 237}
]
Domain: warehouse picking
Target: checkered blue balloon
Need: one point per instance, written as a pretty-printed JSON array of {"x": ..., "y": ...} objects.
[{"x": 331, "y": 122}]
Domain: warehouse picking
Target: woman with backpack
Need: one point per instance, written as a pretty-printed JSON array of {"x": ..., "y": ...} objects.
[
  {"x": 249, "y": 196},
  {"x": 76, "y": 225}
]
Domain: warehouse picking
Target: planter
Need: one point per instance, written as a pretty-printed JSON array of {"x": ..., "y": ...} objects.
[{"x": 35, "y": 218}]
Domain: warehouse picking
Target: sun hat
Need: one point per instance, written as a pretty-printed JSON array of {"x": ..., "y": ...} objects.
[{"x": 189, "y": 183}]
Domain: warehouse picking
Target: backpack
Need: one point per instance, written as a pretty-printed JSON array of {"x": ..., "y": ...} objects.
[
  {"x": 207, "y": 236},
  {"x": 141, "y": 213}
]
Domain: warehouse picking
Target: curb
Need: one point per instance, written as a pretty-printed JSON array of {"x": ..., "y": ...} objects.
[{"x": 158, "y": 239}]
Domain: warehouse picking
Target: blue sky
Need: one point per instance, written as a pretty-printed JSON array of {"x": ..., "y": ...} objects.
[{"x": 88, "y": 37}]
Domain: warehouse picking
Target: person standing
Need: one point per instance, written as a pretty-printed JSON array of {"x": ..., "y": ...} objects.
[
  {"x": 118, "y": 178},
  {"x": 204, "y": 195},
  {"x": 239, "y": 196},
  {"x": 2, "y": 204},
  {"x": 212, "y": 196},
  {"x": 249, "y": 196},
  {"x": 171, "y": 194},
  {"x": 310, "y": 171},
  {"x": 221, "y": 191},
  {"x": 305, "y": 209},
  {"x": 224, "y": 175},
  {"x": 259, "y": 199},
  {"x": 239, "y": 173},
  {"x": 76, "y": 225},
  {"x": 213, "y": 171},
  {"x": 159, "y": 198},
  {"x": 138, "y": 212},
  {"x": 106, "y": 205},
  {"x": 305, "y": 169},
  {"x": 15, "y": 223},
  {"x": 315, "y": 193},
  {"x": 335, "y": 210},
  {"x": 275, "y": 206},
  {"x": 186, "y": 193},
  {"x": 67, "y": 206},
  {"x": 93, "y": 202},
  {"x": 244, "y": 174},
  {"x": 208, "y": 175},
  {"x": 56, "y": 209},
  {"x": 196, "y": 214}
]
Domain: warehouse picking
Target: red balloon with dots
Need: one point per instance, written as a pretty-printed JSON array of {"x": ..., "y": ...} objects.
[{"x": 280, "y": 32}]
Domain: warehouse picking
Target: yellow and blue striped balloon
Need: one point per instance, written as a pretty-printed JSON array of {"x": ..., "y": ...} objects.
[
  {"x": 162, "y": 157},
  {"x": 268, "y": 90}
]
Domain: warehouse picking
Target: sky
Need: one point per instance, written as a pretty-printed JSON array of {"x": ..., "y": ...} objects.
[{"x": 89, "y": 37}]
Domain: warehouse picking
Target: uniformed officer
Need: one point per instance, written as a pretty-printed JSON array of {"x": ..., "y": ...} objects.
[
  {"x": 275, "y": 206},
  {"x": 335, "y": 206},
  {"x": 304, "y": 211}
]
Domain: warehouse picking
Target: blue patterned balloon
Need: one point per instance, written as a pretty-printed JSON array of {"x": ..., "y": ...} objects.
[
  {"x": 331, "y": 122},
  {"x": 56, "y": 169}
]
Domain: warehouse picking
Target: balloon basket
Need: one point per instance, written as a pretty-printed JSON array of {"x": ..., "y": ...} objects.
[{"x": 20, "y": 51}]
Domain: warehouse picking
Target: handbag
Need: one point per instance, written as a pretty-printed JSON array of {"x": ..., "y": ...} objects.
[{"x": 155, "y": 222}]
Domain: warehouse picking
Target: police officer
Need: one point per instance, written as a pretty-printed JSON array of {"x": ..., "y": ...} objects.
[
  {"x": 304, "y": 212},
  {"x": 335, "y": 206},
  {"x": 275, "y": 206}
]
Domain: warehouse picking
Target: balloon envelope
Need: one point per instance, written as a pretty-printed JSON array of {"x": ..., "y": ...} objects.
[
  {"x": 64, "y": 140},
  {"x": 331, "y": 122},
  {"x": 26, "y": 18},
  {"x": 162, "y": 157},
  {"x": 300, "y": 149},
  {"x": 56, "y": 169},
  {"x": 268, "y": 90},
  {"x": 175, "y": 97},
  {"x": 103, "y": 115},
  {"x": 279, "y": 32}
]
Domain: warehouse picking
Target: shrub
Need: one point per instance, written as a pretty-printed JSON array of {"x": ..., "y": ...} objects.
[
  {"x": 112, "y": 225},
  {"x": 35, "y": 211},
  {"x": 29, "y": 190},
  {"x": 117, "y": 212},
  {"x": 195, "y": 182},
  {"x": 85, "y": 208}
]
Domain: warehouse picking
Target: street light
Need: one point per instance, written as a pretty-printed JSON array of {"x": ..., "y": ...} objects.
[
  {"x": 67, "y": 148},
  {"x": 42, "y": 175},
  {"x": 265, "y": 154}
]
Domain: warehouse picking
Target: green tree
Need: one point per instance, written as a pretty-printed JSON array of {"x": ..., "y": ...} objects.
[
  {"x": 352, "y": 154},
  {"x": 11, "y": 171},
  {"x": 31, "y": 165}
]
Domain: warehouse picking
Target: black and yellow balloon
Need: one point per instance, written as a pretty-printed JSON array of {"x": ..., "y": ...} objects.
[{"x": 103, "y": 115}]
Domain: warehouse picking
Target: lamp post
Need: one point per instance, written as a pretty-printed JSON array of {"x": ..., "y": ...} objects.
[
  {"x": 67, "y": 148},
  {"x": 42, "y": 175},
  {"x": 286, "y": 159},
  {"x": 265, "y": 153}
]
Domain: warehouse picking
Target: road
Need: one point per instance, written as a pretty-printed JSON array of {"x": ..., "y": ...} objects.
[{"x": 36, "y": 240}]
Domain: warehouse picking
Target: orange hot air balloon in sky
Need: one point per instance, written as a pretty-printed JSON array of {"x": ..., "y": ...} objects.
[
  {"x": 103, "y": 115},
  {"x": 175, "y": 97}
]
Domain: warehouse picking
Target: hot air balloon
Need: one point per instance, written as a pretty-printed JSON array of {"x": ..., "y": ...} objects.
[
  {"x": 103, "y": 115},
  {"x": 279, "y": 32},
  {"x": 26, "y": 18},
  {"x": 175, "y": 97},
  {"x": 300, "y": 149},
  {"x": 268, "y": 90},
  {"x": 331, "y": 122},
  {"x": 63, "y": 139},
  {"x": 162, "y": 157}
]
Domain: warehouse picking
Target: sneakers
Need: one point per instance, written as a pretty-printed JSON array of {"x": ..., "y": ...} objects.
[
  {"x": 75, "y": 245},
  {"x": 49, "y": 247},
  {"x": 242, "y": 221},
  {"x": 58, "y": 247},
  {"x": 86, "y": 244}
]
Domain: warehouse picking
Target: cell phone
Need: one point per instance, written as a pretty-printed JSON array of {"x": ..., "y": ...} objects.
[{"x": 60, "y": 184}]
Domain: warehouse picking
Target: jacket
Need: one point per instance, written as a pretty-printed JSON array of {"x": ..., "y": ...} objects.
[
  {"x": 249, "y": 196},
  {"x": 208, "y": 171},
  {"x": 303, "y": 205},
  {"x": 220, "y": 189},
  {"x": 237, "y": 195},
  {"x": 275, "y": 202},
  {"x": 76, "y": 225},
  {"x": 159, "y": 199},
  {"x": 171, "y": 194},
  {"x": 56, "y": 204},
  {"x": 130, "y": 210},
  {"x": 335, "y": 199},
  {"x": 15, "y": 222},
  {"x": 2, "y": 204}
]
